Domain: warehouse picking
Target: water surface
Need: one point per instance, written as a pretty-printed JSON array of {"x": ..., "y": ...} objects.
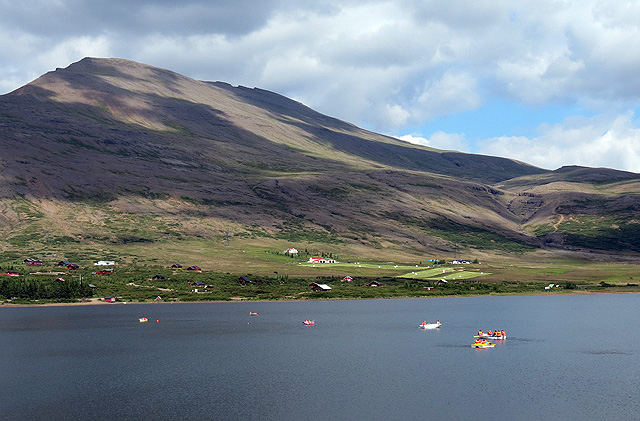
[{"x": 566, "y": 357}]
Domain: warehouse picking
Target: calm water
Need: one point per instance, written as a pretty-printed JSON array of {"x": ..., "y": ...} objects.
[{"x": 566, "y": 358}]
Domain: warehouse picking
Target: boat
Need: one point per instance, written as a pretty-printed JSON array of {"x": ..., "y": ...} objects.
[
  {"x": 143, "y": 320},
  {"x": 482, "y": 344},
  {"x": 309, "y": 322},
  {"x": 499, "y": 337},
  {"x": 497, "y": 334},
  {"x": 425, "y": 325},
  {"x": 253, "y": 313}
]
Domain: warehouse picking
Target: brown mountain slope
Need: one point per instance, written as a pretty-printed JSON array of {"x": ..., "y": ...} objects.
[{"x": 91, "y": 149}]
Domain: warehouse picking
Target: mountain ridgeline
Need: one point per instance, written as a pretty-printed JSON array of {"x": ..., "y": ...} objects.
[{"x": 109, "y": 150}]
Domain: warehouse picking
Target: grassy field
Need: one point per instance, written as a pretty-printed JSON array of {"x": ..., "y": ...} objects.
[{"x": 277, "y": 276}]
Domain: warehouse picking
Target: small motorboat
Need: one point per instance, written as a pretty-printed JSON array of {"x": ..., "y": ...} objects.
[
  {"x": 482, "y": 344},
  {"x": 309, "y": 322},
  {"x": 143, "y": 320},
  {"x": 425, "y": 325},
  {"x": 253, "y": 313}
]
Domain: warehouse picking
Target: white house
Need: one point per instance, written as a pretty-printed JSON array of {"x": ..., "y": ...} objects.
[
  {"x": 291, "y": 250},
  {"x": 105, "y": 263}
]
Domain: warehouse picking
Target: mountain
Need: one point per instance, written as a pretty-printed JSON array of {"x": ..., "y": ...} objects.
[{"x": 109, "y": 150}]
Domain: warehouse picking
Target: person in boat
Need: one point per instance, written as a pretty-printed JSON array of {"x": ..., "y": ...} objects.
[
  {"x": 479, "y": 333},
  {"x": 438, "y": 322},
  {"x": 490, "y": 333},
  {"x": 424, "y": 323}
]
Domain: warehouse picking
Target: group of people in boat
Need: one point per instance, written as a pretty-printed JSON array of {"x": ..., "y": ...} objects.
[
  {"x": 495, "y": 333},
  {"x": 425, "y": 323},
  {"x": 482, "y": 342}
]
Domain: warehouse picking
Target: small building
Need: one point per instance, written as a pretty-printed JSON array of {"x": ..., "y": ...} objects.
[
  {"x": 72, "y": 266},
  {"x": 319, "y": 287},
  {"x": 158, "y": 299},
  {"x": 374, "y": 284},
  {"x": 104, "y": 272},
  {"x": 291, "y": 250},
  {"x": 10, "y": 273},
  {"x": 347, "y": 279},
  {"x": 105, "y": 263},
  {"x": 321, "y": 260},
  {"x": 243, "y": 280},
  {"x": 157, "y": 277},
  {"x": 62, "y": 263},
  {"x": 176, "y": 266},
  {"x": 442, "y": 282},
  {"x": 31, "y": 261},
  {"x": 59, "y": 280},
  {"x": 111, "y": 299},
  {"x": 194, "y": 268}
]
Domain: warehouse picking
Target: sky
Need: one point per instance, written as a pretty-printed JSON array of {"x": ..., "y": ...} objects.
[{"x": 547, "y": 82}]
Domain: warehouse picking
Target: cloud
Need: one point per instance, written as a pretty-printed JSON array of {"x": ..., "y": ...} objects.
[
  {"x": 386, "y": 65},
  {"x": 440, "y": 140},
  {"x": 601, "y": 141}
]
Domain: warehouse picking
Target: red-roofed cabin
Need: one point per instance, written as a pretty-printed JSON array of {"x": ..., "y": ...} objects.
[{"x": 110, "y": 299}]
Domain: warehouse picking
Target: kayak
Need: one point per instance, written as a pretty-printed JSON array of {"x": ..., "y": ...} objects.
[{"x": 309, "y": 322}]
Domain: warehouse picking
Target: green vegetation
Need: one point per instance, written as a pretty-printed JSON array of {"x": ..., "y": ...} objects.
[{"x": 138, "y": 281}]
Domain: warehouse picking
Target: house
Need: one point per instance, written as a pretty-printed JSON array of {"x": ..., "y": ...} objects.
[
  {"x": 104, "y": 272},
  {"x": 105, "y": 263},
  {"x": 194, "y": 268},
  {"x": 347, "y": 279},
  {"x": 374, "y": 284},
  {"x": 321, "y": 260},
  {"x": 243, "y": 280},
  {"x": 552, "y": 286},
  {"x": 63, "y": 263},
  {"x": 10, "y": 273},
  {"x": 319, "y": 287},
  {"x": 291, "y": 250},
  {"x": 111, "y": 299},
  {"x": 72, "y": 266},
  {"x": 158, "y": 299},
  {"x": 442, "y": 282},
  {"x": 32, "y": 262},
  {"x": 157, "y": 277},
  {"x": 176, "y": 266},
  {"x": 59, "y": 280},
  {"x": 459, "y": 262}
]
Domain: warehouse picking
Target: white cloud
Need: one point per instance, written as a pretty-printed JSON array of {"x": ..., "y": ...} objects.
[
  {"x": 382, "y": 64},
  {"x": 602, "y": 141},
  {"x": 440, "y": 140}
]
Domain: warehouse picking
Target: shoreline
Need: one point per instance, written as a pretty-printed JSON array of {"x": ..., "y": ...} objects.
[{"x": 100, "y": 302}]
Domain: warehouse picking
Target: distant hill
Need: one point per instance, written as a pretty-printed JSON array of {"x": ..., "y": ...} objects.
[{"x": 109, "y": 150}]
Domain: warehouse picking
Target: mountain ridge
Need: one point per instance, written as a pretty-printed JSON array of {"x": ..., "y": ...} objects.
[{"x": 118, "y": 133}]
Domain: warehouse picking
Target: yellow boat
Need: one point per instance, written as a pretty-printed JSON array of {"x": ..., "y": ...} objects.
[
  {"x": 143, "y": 320},
  {"x": 482, "y": 344}
]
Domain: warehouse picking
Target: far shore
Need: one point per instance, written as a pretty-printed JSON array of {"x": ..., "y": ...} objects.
[{"x": 100, "y": 301}]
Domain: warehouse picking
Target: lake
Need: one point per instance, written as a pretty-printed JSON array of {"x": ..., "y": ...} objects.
[{"x": 566, "y": 357}]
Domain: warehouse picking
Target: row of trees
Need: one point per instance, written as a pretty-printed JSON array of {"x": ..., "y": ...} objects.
[{"x": 38, "y": 289}]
